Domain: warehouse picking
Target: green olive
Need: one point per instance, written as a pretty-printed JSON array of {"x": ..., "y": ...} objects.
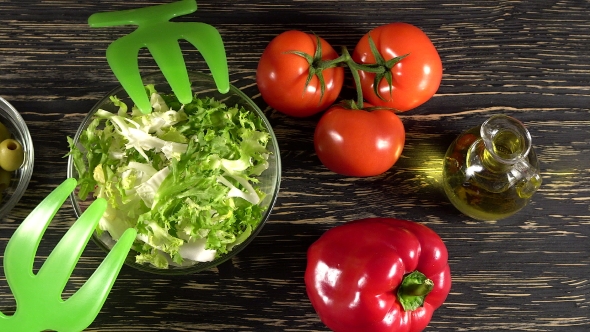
[
  {"x": 4, "y": 133},
  {"x": 5, "y": 177},
  {"x": 12, "y": 154}
]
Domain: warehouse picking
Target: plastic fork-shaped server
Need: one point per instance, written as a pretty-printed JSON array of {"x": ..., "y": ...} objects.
[
  {"x": 38, "y": 296},
  {"x": 160, "y": 36}
]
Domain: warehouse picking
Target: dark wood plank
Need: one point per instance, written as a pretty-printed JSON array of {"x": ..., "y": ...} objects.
[{"x": 527, "y": 59}]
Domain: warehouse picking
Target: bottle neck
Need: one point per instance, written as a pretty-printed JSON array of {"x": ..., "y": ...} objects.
[
  {"x": 506, "y": 141},
  {"x": 499, "y": 160},
  {"x": 490, "y": 162}
]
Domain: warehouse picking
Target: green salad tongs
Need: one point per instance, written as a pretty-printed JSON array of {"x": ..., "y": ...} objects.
[
  {"x": 160, "y": 36},
  {"x": 38, "y": 296}
]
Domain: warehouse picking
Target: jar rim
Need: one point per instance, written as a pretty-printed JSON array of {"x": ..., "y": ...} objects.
[{"x": 497, "y": 125}]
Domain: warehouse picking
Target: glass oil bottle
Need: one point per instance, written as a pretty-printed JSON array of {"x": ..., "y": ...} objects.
[{"x": 491, "y": 171}]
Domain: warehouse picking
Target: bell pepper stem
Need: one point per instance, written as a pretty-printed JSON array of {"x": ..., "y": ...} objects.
[
  {"x": 419, "y": 289},
  {"x": 413, "y": 290}
]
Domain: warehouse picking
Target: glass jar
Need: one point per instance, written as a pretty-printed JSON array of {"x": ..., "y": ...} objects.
[{"x": 491, "y": 171}]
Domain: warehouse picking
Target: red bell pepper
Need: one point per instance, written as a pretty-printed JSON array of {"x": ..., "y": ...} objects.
[{"x": 377, "y": 275}]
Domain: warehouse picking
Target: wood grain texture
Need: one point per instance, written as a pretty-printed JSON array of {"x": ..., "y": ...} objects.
[{"x": 528, "y": 59}]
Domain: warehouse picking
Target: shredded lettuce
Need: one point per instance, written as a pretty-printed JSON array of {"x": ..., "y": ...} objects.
[{"x": 184, "y": 176}]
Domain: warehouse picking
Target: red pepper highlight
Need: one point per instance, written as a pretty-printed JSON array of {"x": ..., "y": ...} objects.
[{"x": 377, "y": 275}]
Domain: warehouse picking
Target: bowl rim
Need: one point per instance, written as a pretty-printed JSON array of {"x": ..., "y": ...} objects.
[
  {"x": 199, "y": 266},
  {"x": 26, "y": 169}
]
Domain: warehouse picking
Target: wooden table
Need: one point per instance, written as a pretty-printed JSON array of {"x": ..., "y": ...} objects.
[{"x": 527, "y": 59}]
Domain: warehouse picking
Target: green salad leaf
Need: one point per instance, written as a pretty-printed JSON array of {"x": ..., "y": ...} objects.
[{"x": 184, "y": 176}]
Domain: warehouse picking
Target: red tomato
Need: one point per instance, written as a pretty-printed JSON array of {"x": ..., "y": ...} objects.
[
  {"x": 415, "y": 79},
  {"x": 281, "y": 76},
  {"x": 358, "y": 142},
  {"x": 464, "y": 141}
]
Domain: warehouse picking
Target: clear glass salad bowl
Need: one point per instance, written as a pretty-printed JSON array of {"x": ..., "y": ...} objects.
[
  {"x": 268, "y": 181},
  {"x": 17, "y": 127}
]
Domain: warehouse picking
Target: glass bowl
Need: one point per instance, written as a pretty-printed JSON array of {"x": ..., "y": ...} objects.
[
  {"x": 15, "y": 124},
  {"x": 269, "y": 180}
]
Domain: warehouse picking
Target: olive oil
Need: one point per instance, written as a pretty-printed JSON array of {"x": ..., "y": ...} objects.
[{"x": 491, "y": 175}]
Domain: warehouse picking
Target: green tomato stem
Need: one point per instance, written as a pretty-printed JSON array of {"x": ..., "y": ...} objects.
[
  {"x": 381, "y": 69},
  {"x": 354, "y": 69}
]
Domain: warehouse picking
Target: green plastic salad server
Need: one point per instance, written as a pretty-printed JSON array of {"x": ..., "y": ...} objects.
[
  {"x": 38, "y": 296},
  {"x": 160, "y": 36}
]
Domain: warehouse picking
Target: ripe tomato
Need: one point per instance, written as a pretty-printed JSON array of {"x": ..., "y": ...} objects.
[
  {"x": 415, "y": 79},
  {"x": 357, "y": 142},
  {"x": 281, "y": 76}
]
